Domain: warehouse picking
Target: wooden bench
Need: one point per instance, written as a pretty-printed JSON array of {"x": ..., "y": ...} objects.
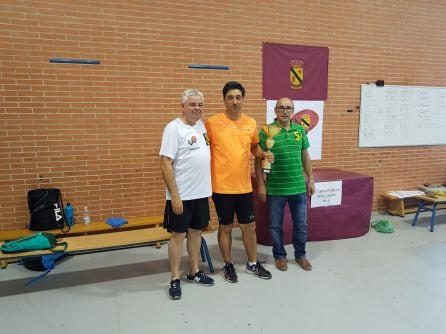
[
  {"x": 99, "y": 236},
  {"x": 92, "y": 228}
]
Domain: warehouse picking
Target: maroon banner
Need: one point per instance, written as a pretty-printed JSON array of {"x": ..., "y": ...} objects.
[{"x": 295, "y": 71}]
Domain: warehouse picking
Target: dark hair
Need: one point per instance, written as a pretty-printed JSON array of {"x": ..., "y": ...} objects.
[{"x": 233, "y": 85}]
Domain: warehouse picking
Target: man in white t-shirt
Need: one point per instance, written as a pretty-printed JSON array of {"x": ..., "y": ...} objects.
[{"x": 185, "y": 164}]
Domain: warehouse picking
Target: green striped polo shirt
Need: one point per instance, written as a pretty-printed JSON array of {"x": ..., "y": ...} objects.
[{"x": 287, "y": 175}]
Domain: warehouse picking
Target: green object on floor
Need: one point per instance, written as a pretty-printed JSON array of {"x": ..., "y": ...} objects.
[{"x": 383, "y": 226}]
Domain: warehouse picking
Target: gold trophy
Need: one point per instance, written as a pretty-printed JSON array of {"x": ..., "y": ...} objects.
[{"x": 271, "y": 131}]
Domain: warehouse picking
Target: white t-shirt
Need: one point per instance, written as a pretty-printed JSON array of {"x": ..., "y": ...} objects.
[{"x": 187, "y": 146}]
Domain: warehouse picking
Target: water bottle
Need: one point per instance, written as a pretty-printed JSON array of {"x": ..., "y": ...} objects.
[
  {"x": 86, "y": 216},
  {"x": 69, "y": 214}
]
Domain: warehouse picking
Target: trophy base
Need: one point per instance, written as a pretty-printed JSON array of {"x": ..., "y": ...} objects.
[{"x": 266, "y": 170}]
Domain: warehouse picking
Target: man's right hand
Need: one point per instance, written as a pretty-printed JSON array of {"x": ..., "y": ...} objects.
[{"x": 177, "y": 206}]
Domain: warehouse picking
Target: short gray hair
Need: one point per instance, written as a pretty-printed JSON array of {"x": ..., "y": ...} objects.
[{"x": 191, "y": 92}]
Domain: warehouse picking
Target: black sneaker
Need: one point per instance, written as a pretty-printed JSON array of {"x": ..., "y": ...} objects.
[
  {"x": 201, "y": 278},
  {"x": 230, "y": 274},
  {"x": 258, "y": 270},
  {"x": 175, "y": 289}
]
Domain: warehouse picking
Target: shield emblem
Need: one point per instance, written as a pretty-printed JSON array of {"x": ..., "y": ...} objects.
[
  {"x": 307, "y": 118},
  {"x": 296, "y": 74}
]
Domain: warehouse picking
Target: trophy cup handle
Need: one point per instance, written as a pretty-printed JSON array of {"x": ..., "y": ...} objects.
[{"x": 266, "y": 165}]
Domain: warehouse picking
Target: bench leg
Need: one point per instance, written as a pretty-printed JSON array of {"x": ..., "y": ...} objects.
[
  {"x": 420, "y": 207},
  {"x": 203, "y": 255},
  {"x": 204, "y": 250},
  {"x": 396, "y": 207},
  {"x": 433, "y": 216}
]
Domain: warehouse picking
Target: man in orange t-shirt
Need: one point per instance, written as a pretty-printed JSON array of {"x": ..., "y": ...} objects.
[{"x": 233, "y": 137}]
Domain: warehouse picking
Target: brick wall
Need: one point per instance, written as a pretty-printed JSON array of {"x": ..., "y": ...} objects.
[{"x": 94, "y": 130}]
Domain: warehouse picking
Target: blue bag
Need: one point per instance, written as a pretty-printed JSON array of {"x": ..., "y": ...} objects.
[{"x": 44, "y": 263}]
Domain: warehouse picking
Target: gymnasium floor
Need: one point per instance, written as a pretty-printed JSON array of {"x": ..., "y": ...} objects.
[{"x": 378, "y": 283}]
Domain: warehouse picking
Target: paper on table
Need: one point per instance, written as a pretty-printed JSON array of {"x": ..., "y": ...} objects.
[
  {"x": 406, "y": 193},
  {"x": 327, "y": 194}
]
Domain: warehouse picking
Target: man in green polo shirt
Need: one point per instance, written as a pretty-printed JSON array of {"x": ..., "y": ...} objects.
[{"x": 285, "y": 181}]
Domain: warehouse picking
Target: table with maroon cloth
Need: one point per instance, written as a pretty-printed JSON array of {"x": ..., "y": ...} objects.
[{"x": 349, "y": 219}]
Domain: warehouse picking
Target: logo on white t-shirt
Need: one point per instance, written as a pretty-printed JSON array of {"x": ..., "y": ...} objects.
[{"x": 192, "y": 140}]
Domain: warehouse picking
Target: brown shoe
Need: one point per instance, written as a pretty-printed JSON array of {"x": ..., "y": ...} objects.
[
  {"x": 304, "y": 263},
  {"x": 281, "y": 264}
]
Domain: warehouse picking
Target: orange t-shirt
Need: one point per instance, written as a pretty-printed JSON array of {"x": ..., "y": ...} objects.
[{"x": 230, "y": 153}]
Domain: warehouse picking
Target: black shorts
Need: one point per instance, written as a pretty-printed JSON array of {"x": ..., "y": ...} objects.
[
  {"x": 195, "y": 216},
  {"x": 228, "y": 204}
]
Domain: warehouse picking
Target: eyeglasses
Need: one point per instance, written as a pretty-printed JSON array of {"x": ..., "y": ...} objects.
[{"x": 283, "y": 108}]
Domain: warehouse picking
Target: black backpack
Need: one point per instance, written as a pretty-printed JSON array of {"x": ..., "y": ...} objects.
[{"x": 46, "y": 209}]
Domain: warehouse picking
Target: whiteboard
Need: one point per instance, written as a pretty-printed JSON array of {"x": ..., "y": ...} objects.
[{"x": 402, "y": 116}]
